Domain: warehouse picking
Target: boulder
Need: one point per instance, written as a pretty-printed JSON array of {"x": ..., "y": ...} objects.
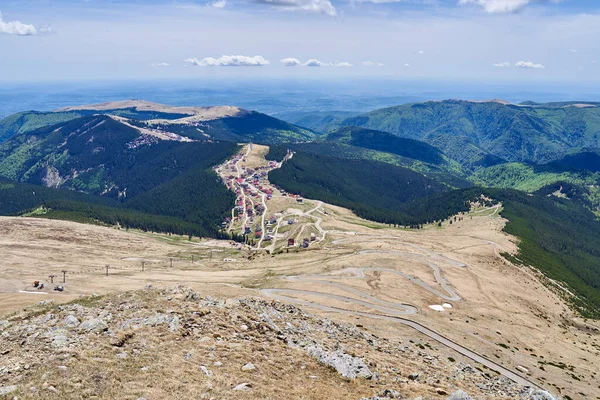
[
  {"x": 459, "y": 395},
  {"x": 346, "y": 365},
  {"x": 93, "y": 325}
]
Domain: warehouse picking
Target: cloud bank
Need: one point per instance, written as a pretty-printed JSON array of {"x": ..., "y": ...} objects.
[
  {"x": 217, "y": 4},
  {"x": 290, "y": 62},
  {"x": 313, "y": 62},
  {"x": 502, "y": 64},
  {"x": 228, "y": 61},
  {"x": 372, "y": 64},
  {"x": 503, "y": 6},
  {"x": 16, "y": 28},
  {"x": 529, "y": 65},
  {"x": 161, "y": 64},
  {"x": 313, "y": 6}
]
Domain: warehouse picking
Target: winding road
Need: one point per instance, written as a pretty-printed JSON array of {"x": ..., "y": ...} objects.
[
  {"x": 381, "y": 309},
  {"x": 386, "y": 310}
]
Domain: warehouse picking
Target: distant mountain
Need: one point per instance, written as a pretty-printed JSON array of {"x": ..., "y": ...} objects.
[
  {"x": 318, "y": 121},
  {"x": 486, "y": 133},
  {"x": 204, "y": 123}
]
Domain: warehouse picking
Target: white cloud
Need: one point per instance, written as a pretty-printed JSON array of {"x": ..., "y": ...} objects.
[
  {"x": 290, "y": 62},
  {"x": 594, "y": 62},
  {"x": 421, "y": 52},
  {"x": 502, "y": 64},
  {"x": 16, "y": 28},
  {"x": 574, "y": 51},
  {"x": 315, "y": 63},
  {"x": 504, "y": 6},
  {"x": 217, "y": 4},
  {"x": 372, "y": 64},
  {"x": 407, "y": 65},
  {"x": 313, "y": 6},
  {"x": 228, "y": 61},
  {"x": 162, "y": 64},
  {"x": 529, "y": 65}
]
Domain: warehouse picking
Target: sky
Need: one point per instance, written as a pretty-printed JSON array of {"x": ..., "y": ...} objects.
[{"x": 477, "y": 40}]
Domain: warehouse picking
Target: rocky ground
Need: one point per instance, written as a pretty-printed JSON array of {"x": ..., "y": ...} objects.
[{"x": 176, "y": 343}]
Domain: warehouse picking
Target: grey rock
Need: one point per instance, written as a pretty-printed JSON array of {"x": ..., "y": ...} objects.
[
  {"x": 206, "y": 371},
  {"x": 248, "y": 367},
  {"x": 47, "y": 318},
  {"x": 346, "y": 365},
  {"x": 70, "y": 321},
  {"x": 58, "y": 337},
  {"x": 122, "y": 355},
  {"x": 174, "y": 324},
  {"x": 387, "y": 394},
  {"x": 4, "y": 390},
  {"x": 243, "y": 386},
  {"x": 541, "y": 395},
  {"x": 459, "y": 395},
  {"x": 93, "y": 325},
  {"x": 4, "y": 324}
]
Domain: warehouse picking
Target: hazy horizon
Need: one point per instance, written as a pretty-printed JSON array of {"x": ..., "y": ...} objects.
[{"x": 275, "y": 96}]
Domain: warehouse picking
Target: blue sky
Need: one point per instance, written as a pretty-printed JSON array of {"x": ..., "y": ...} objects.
[{"x": 490, "y": 40}]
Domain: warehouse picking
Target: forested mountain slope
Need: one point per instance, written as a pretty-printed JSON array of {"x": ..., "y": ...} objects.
[
  {"x": 386, "y": 142},
  {"x": 100, "y": 156},
  {"x": 485, "y": 133}
]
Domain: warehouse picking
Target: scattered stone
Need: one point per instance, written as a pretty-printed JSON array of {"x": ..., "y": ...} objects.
[
  {"x": 459, "y": 395},
  {"x": 346, "y": 365},
  {"x": 248, "y": 367},
  {"x": 122, "y": 355},
  {"x": 244, "y": 327},
  {"x": 4, "y": 390},
  {"x": 206, "y": 371},
  {"x": 414, "y": 376},
  {"x": 52, "y": 389},
  {"x": 93, "y": 325},
  {"x": 187, "y": 356},
  {"x": 243, "y": 386},
  {"x": 70, "y": 321},
  {"x": 217, "y": 363},
  {"x": 441, "y": 391},
  {"x": 387, "y": 394},
  {"x": 542, "y": 395}
]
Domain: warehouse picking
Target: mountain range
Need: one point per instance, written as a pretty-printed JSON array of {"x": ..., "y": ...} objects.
[{"x": 148, "y": 166}]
